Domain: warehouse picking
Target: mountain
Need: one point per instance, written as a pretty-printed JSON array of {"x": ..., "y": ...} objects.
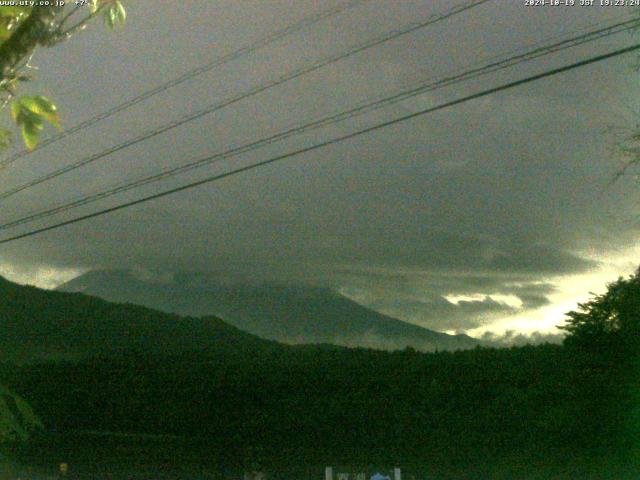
[
  {"x": 39, "y": 324},
  {"x": 290, "y": 314}
]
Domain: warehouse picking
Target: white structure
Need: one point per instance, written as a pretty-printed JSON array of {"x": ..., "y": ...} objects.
[
  {"x": 328, "y": 475},
  {"x": 254, "y": 475},
  {"x": 379, "y": 476}
]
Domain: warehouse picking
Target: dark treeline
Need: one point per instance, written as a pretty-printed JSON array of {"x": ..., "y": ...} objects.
[{"x": 536, "y": 405}]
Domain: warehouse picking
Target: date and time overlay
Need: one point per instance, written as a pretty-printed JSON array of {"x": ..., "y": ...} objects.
[
  {"x": 526, "y": 3},
  {"x": 581, "y": 3}
]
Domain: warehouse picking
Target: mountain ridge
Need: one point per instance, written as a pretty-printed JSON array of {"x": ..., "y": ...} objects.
[
  {"x": 286, "y": 313},
  {"x": 38, "y": 324}
]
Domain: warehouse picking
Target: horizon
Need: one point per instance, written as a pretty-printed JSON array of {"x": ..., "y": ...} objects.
[{"x": 582, "y": 288}]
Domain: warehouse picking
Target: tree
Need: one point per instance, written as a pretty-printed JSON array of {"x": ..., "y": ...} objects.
[
  {"x": 22, "y": 30},
  {"x": 611, "y": 317},
  {"x": 604, "y": 367}
]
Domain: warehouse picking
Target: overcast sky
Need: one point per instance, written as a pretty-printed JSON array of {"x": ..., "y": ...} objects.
[{"x": 491, "y": 215}]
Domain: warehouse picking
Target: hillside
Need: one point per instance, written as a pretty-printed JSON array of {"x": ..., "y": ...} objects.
[
  {"x": 40, "y": 324},
  {"x": 290, "y": 314}
]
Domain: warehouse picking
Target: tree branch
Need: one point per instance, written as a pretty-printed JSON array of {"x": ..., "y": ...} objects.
[
  {"x": 69, "y": 15},
  {"x": 65, "y": 35},
  {"x": 60, "y": 35},
  {"x": 34, "y": 31}
]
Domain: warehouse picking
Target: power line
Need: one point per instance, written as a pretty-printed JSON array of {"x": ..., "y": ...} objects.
[
  {"x": 332, "y": 141},
  {"x": 256, "y": 90},
  {"x": 491, "y": 67},
  {"x": 207, "y": 67}
]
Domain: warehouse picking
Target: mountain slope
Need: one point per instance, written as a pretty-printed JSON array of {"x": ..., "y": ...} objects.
[
  {"x": 38, "y": 324},
  {"x": 283, "y": 313}
]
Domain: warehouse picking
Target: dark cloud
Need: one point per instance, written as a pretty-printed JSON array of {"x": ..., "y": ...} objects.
[
  {"x": 511, "y": 338},
  {"x": 440, "y": 312},
  {"x": 539, "y": 259},
  {"x": 447, "y": 300},
  {"x": 533, "y": 301}
]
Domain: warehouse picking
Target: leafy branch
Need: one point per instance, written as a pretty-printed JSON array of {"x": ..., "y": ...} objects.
[
  {"x": 114, "y": 16},
  {"x": 22, "y": 30}
]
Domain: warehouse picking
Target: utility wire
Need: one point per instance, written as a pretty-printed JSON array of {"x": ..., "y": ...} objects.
[
  {"x": 260, "y": 88},
  {"x": 207, "y": 67},
  {"x": 359, "y": 110},
  {"x": 332, "y": 141}
]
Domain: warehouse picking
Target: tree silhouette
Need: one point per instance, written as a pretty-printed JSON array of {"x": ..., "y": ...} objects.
[{"x": 612, "y": 318}]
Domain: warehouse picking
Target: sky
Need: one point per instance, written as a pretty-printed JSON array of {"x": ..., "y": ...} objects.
[{"x": 494, "y": 215}]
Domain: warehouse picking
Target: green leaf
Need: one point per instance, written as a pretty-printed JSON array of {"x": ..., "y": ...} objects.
[
  {"x": 108, "y": 19},
  {"x": 5, "y": 30},
  {"x": 37, "y": 108},
  {"x": 30, "y": 134},
  {"x": 115, "y": 15},
  {"x": 10, "y": 18},
  {"x": 36, "y": 121},
  {"x": 15, "y": 110},
  {"x": 94, "y": 5},
  {"x": 30, "y": 112},
  {"x": 14, "y": 11},
  {"x": 42, "y": 107},
  {"x": 122, "y": 13}
]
